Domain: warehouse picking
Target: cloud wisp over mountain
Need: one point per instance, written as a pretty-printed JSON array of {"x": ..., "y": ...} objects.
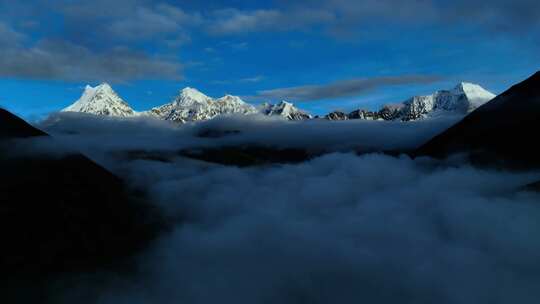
[{"x": 343, "y": 88}]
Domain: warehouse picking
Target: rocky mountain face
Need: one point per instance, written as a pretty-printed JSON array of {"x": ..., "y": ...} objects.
[
  {"x": 498, "y": 133},
  {"x": 192, "y": 105},
  {"x": 101, "y": 100},
  {"x": 337, "y": 115},
  {"x": 461, "y": 100},
  {"x": 60, "y": 214},
  {"x": 284, "y": 109}
]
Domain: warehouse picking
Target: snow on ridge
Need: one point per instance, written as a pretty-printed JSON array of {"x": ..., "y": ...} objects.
[
  {"x": 462, "y": 99},
  {"x": 101, "y": 100},
  {"x": 192, "y": 105},
  {"x": 284, "y": 109}
]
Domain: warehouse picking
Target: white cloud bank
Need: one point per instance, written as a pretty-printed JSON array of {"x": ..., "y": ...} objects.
[
  {"x": 338, "y": 229},
  {"x": 87, "y": 132}
]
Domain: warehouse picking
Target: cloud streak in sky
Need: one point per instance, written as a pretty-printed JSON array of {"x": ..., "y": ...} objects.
[
  {"x": 61, "y": 60},
  {"x": 343, "y": 88},
  {"x": 137, "y": 26},
  {"x": 234, "y": 21},
  {"x": 351, "y": 16}
]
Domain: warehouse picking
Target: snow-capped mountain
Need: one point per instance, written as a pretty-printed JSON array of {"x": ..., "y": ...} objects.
[
  {"x": 337, "y": 115},
  {"x": 461, "y": 100},
  {"x": 192, "y": 105},
  {"x": 284, "y": 109},
  {"x": 101, "y": 100},
  {"x": 498, "y": 133}
]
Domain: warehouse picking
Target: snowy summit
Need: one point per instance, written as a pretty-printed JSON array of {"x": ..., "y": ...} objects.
[
  {"x": 101, "y": 100},
  {"x": 192, "y": 105},
  {"x": 284, "y": 109},
  {"x": 461, "y": 100}
]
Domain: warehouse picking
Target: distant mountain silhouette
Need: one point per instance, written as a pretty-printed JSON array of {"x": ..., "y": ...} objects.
[
  {"x": 12, "y": 126},
  {"x": 500, "y": 133},
  {"x": 61, "y": 215}
]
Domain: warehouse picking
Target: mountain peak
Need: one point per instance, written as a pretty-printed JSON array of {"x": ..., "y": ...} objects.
[
  {"x": 192, "y": 92},
  {"x": 467, "y": 87},
  {"x": 499, "y": 132},
  {"x": 101, "y": 87},
  {"x": 101, "y": 100},
  {"x": 104, "y": 86},
  {"x": 230, "y": 98},
  {"x": 192, "y": 105},
  {"x": 284, "y": 109},
  {"x": 475, "y": 94},
  {"x": 191, "y": 96},
  {"x": 465, "y": 84},
  {"x": 285, "y": 103}
]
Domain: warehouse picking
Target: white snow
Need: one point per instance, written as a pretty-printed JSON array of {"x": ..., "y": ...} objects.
[
  {"x": 476, "y": 95},
  {"x": 461, "y": 100},
  {"x": 284, "y": 109},
  {"x": 101, "y": 100},
  {"x": 192, "y": 105}
]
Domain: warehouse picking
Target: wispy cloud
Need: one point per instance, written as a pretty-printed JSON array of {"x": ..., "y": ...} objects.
[
  {"x": 257, "y": 78},
  {"x": 234, "y": 21},
  {"x": 337, "y": 17},
  {"x": 253, "y": 79},
  {"x": 341, "y": 88},
  {"x": 62, "y": 60},
  {"x": 124, "y": 31}
]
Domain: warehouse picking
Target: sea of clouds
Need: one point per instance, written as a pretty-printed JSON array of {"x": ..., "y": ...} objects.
[{"x": 340, "y": 228}]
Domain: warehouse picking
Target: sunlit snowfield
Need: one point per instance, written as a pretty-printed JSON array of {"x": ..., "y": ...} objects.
[{"x": 339, "y": 228}]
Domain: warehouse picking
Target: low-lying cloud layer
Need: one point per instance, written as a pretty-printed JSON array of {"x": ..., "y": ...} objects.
[
  {"x": 340, "y": 228},
  {"x": 92, "y": 133}
]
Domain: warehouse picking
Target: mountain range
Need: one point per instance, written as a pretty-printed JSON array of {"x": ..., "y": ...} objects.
[
  {"x": 192, "y": 105},
  {"x": 189, "y": 105},
  {"x": 461, "y": 100},
  {"x": 498, "y": 133}
]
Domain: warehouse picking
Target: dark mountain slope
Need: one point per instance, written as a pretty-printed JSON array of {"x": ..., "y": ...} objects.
[
  {"x": 12, "y": 126},
  {"x": 61, "y": 215},
  {"x": 499, "y": 133}
]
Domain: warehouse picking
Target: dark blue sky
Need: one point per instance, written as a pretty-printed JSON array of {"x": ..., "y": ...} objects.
[{"x": 322, "y": 55}]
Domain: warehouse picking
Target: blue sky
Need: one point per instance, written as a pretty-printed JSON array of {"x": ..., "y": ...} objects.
[{"x": 322, "y": 55}]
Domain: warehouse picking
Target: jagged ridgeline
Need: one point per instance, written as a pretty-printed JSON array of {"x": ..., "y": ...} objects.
[
  {"x": 499, "y": 133},
  {"x": 189, "y": 105},
  {"x": 192, "y": 105},
  {"x": 461, "y": 100}
]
